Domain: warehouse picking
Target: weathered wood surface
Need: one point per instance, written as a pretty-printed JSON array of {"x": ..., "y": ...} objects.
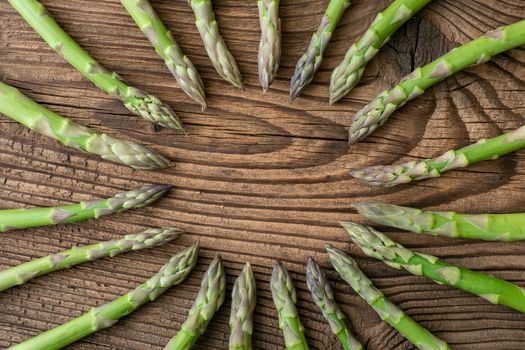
[{"x": 259, "y": 178}]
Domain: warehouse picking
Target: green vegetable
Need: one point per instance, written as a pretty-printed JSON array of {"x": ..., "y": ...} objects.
[
  {"x": 25, "y": 272},
  {"x": 220, "y": 56},
  {"x": 270, "y": 45},
  {"x": 177, "y": 62},
  {"x": 15, "y": 219},
  {"x": 397, "y": 318},
  {"x": 391, "y": 175},
  {"x": 323, "y": 297},
  {"x": 349, "y": 72},
  {"x": 284, "y": 298},
  {"x": 43, "y": 121},
  {"x": 379, "y": 246},
  {"x": 490, "y": 227},
  {"x": 209, "y": 300},
  {"x": 139, "y": 102},
  {"x": 377, "y": 112},
  {"x": 310, "y": 61},
  {"x": 108, "y": 314},
  {"x": 241, "y": 316}
]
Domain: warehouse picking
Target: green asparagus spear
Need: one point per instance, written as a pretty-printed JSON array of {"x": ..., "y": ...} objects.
[
  {"x": 209, "y": 300},
  {"x": 177, "y": 62},
  {"x": 323, "y": 296},
  {"x": 377, "y": 112},
  {"x": 347, "y": 74},
  {"x": 270, "y": 45},
  {"x": 20, "y": 108},
  {"x": 284, "y": 298},
  {"x": 108, "y": 314},
  {"x": 25, "y": 272},
  {"x": 139, "y": 102},
  {"x": 310, "y": 61},
  {"x": 379, "y": 246},
  {"x": 15, "y": 219},
  {"x": 490, "y": 227},
  {"x": 397, "y": 318},
  {"x": 243, "y": 304},
  {"x": 220, "y": 56},
  {"x": 391, "y": 175}
]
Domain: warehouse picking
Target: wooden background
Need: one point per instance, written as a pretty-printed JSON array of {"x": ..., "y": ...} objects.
[{"x": 259, "y": 178}]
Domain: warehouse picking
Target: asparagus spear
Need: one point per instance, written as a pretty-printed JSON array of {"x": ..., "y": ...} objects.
[
  {"x": 376, "y": 113},
  {"x": 177, "y": 62},
  {"x": 243, "y": 304},
  {"x": 173, "y": 273},
  {"x": 20, "y": 108},
  {"x": 397, "y": 318},
  {"x": 284, "y": 298},
  {"x": 270, "y": 45},
  {"x": 209, "y": 300},
  {"x": 25, "y": 272},
  {"x": 220, "y": 56},
  {"x": 490, "y": 227},
  {"x": 348, "y": 73},
  {"x": 391, "y": 175},
  {"x": 379, "y": 246},
  {"x": 15, "y": 219},
  {"x": 323, "y": 297},
  {"x": 310, "y": 61},
  {"x": 137, "y": 101}
]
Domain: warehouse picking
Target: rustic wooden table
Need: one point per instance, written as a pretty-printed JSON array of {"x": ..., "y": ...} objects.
[{"x": 259, "y": 178}]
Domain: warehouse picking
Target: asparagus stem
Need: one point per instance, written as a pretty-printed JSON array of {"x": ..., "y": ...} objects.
[
  {"x": 15, "y": 219},
  {"x": 139, "y": 102},
  {"x": 397, "y": 318},
  {"x": 241, "y": 316},
  {"x": 15, "y": 105},
  {"x": 490, "y": 227},
  {"x": 173, "y": 273},
  {"x": 379, "y": 246},
  {"x": 377, "y": 112},
  {"x": 209, "y": 300},
  {"x": 310, "y": 61},
  {"x": 285, "y": 298},
  {"x": 270, "y": 45},
  {"x": 323, "y": 297},
  {"x": 391, "y": 175},
  {"x": 162, "y": 40},
  {"x": 25, "y": 272},
  {"x": 348, "y": 73},
  {"x": 220, "y": 56}
]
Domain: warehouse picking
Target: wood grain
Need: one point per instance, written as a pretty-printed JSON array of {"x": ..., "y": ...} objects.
[{"x": 259, "y": 178}]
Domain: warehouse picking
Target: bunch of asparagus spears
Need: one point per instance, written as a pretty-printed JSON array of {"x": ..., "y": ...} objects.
[{"x": 506, "y": 227}]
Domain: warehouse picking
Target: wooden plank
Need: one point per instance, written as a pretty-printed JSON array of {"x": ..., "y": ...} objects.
[{"x": 259, "y": 178}]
